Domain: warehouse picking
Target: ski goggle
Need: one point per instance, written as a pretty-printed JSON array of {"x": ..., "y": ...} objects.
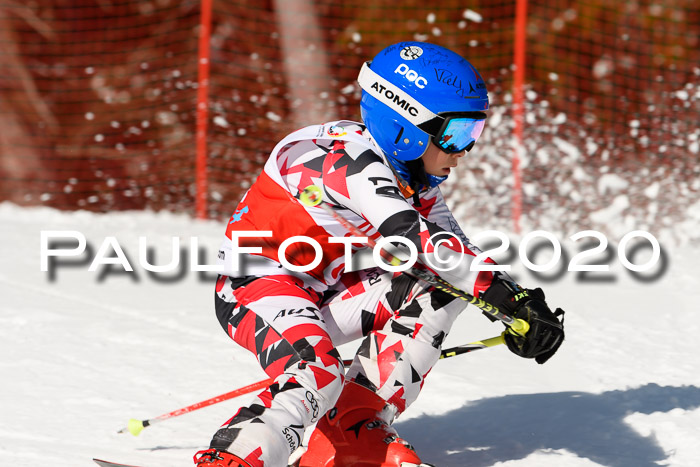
[{"x": 459, "y": 132}]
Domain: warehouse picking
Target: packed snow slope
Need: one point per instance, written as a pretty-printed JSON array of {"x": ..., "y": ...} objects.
[{"x": 84, "y": 351}]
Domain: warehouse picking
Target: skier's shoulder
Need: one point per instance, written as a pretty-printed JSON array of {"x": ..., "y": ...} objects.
[
  {"x": 348, "y": 136},
  {"x": 345, "y": 136}
]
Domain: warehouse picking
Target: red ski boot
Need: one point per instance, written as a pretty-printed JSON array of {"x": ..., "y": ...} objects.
[
  {"x": 216, "y": 458},
  {"x": 353, "y": 434}
]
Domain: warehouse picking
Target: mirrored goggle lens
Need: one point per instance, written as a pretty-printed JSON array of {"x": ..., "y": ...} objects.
[{"x": 460, "y": 133}]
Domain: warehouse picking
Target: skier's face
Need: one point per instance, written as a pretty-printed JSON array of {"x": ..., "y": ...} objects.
[{"x": 440, "y": 163}]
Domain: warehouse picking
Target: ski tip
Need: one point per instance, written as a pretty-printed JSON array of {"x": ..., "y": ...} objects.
[{"x": 103, "y": 463}]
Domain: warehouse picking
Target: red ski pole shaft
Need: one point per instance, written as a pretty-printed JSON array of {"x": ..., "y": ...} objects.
[
  {"x": 312, "y": 196},
  {"x": 135, "y": 426},
  {"x": 214, "y": 400}
]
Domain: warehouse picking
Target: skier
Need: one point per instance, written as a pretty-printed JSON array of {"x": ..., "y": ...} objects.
[{"x": 423, "y": 107}]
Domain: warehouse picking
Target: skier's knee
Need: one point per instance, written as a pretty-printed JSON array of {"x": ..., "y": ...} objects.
[{"x": 323, "y": 382}]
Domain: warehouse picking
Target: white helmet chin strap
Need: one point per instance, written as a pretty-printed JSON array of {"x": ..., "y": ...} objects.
[{"x": 394, "y": 97}]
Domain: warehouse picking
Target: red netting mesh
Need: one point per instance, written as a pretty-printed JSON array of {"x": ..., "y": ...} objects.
[
  {"x": 96, "y": 103},
  {"x": 98, "y": 100},
  {"x": 614, "y": 106}
]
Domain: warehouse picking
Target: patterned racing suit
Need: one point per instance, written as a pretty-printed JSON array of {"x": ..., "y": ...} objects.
[{"x": 293, "y": 321}]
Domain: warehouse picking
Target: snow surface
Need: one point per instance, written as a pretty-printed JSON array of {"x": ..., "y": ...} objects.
[{"x": 85, "y": 352}]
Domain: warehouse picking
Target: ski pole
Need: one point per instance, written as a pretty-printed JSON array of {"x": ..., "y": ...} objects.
[
  {"x": 465, "y": 348},
  {"x": 135, "y": 426},
  {"x": 312, "y": 196}
]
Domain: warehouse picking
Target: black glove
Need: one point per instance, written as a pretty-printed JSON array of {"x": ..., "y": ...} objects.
[{"x": 546, "y": 331}]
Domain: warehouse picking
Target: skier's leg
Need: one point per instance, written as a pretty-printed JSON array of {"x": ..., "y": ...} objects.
[
  {"x": 394, "y": 360},
  {"x": 278, "y": 320},
  {"x": 404, "y": 326}
]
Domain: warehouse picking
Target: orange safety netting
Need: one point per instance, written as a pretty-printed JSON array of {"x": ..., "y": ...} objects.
[{"x": 98, "y": 100}]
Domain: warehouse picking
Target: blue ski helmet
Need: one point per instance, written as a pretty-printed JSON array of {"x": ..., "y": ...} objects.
[{"x": 414, "y": 93}]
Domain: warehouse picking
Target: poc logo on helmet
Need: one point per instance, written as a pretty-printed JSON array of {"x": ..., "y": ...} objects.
[{"x": 411, "y": 75}]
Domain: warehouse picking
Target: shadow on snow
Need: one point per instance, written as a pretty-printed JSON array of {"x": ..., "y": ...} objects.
[{"x": 512, "y": 427}]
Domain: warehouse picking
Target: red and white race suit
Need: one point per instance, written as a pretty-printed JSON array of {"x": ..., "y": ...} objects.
[{"x": 293, "y": 321}]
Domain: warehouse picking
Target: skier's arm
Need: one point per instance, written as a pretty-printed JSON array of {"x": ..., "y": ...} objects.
[
  {"x": 374, "y": 195},
  {"x": 376, "y": 202},
  {"x": 546, "y": 330},
  {"x": 370, "y": 190}
]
